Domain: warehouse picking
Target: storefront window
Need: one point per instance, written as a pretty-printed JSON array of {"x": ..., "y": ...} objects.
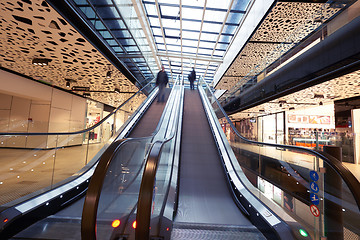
[{"x": 94, "y": 115}]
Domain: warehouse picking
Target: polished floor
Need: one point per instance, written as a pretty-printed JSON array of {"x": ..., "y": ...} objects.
[{"x": 24, "y": 171}]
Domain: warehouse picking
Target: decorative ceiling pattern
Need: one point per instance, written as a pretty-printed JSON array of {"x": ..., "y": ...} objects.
[
  {"x": 288, "y": 22},
  {"x": 346, "y": 86},
  {"x": 32, "y": 29}
]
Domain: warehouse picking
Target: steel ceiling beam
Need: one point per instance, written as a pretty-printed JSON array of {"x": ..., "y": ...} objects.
[
  {"x": 163, "y": 34},
  {"x": 201, "y": 26},
  {"x": 181, "y": 42},
  {"x": 222, "y": 27},
  {"x": 188, "y": 56}
]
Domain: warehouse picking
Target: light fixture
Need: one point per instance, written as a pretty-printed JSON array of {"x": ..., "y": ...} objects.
[
  {"x": 80, "y": 88},
  {"x": 108, "y": 74},
  {"x": 41, "y": 61},
  {"x": 69, "y": 81},
  {"x": 318, "y": 95},
  {"x": 117, "y": 90},
  {"x": 86, "y": 94},
  {"x": 303, "y": 233}
]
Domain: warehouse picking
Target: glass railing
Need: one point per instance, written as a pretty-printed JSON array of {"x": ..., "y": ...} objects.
[
  {"x": 299, "y": 185},
  {"x": 312, "y": 138},
  {"x": 34, "y": 162},
  {"x": 119, "y": 191},
  {"x": 111, "y": 202},
  {"x": 156, "y": 203},
  {"x": 279, "y": 55}
]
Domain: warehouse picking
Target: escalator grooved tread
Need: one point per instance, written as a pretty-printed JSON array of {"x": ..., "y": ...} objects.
[{"x": 191, "y": 231}]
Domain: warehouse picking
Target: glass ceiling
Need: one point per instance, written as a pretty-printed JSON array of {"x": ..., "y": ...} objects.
[
  {"x": 186, "y": 33},
  {"x": 191, "y": 33},
  {"x": 117, "y": 23}
]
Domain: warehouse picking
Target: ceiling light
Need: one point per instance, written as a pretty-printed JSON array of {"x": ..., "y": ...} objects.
[
  {"x": 86, "y": 94},
  {"x": 108, "y": 74},
  {"x": 80, "y": 88},
  {"x": 117, "y": 90},
  {"x": 41, "y": 61},
  {"x": 67, "y": 84},
  {"x": 318, "y": 95}
]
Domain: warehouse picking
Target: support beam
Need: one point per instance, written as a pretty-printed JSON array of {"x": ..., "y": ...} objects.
[{"x": 187, "y": 56}]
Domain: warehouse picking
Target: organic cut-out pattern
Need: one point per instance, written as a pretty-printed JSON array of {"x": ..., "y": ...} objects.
[
  {"x": 287, "y": 23},
  {"x": 32, "y": 29}
]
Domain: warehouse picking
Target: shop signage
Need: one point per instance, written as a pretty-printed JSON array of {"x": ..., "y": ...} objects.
[
  {"x": 309, "y": 119},
  {"x": 314, "y": 210}
]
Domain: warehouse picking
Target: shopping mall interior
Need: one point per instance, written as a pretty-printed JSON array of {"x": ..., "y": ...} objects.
[{"x": 267, "y": 146}]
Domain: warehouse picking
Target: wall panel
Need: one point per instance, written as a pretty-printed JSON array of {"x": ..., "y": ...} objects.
[{"x": 20, "y": 108}]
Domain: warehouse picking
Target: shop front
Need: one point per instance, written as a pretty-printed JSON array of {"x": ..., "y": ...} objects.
[{"x": 95, "y": 113}]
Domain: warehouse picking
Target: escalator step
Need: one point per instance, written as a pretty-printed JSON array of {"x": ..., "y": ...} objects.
[{"x": 190, "y": 231}]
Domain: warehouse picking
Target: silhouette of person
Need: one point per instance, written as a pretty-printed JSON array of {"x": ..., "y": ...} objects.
[
  {"x": 161, "y": 81},
  {"x": 192, "y": 77}
]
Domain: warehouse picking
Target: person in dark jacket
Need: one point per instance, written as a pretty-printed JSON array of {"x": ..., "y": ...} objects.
[
  {"x": 161, "y": 81},
  {"x": 192, "y": 77}
]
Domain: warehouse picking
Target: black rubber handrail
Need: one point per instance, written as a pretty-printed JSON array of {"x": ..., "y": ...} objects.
[
  {"x": 144, "y": 206},
  {"x": 81, "y": 131},
  {"x": 345, "y": 174},
  {"x": 89, "y": 214},
  {"x": 88, "y": 223}
]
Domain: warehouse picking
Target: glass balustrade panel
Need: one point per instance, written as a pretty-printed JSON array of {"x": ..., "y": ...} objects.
[{"x": 120, "y": 191}]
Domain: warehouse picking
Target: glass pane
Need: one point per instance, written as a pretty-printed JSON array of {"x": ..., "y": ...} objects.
[
  {"x": 214, "y": 16},
  {"x": 121, "y": 186},
  {"x": 294, "y": 182},
  {"x": 218, "y": 4},
  {"x": 169, "y": 11},
  {"x": 188, "y": 13}
]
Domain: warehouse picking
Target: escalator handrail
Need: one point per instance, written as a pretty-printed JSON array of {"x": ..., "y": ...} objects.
[
  {"x": 80, "y": 131},
  {"x": 345, "y": 174},
  {"x": 144, "y": 206},
  {"x": 89, "y": 214},
  {"x": 88, "y": 223}
]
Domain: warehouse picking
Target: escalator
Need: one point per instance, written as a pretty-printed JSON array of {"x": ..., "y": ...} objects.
[
  {"x": 314, "y": 197},
  {"x": 183, "y": 197},
  {"x": 66, "y": 224},
  {"x": 67, "y": 196},
  {"x": 206, "y": 209},
  {"x": 198, "y": 184}
]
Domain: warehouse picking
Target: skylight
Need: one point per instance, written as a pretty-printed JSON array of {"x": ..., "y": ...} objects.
[{"x": 196, "y": 33}]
